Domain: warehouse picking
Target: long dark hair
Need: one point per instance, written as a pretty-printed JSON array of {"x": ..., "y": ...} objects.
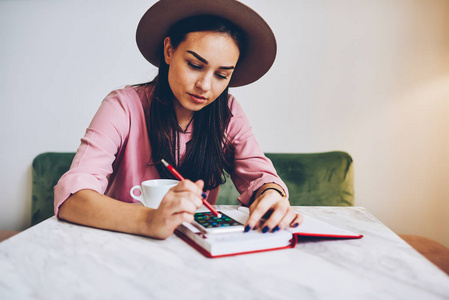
[{"x": 209, "y": 152}]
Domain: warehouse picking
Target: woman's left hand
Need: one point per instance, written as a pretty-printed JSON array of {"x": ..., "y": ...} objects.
[{"x": 276, "y": 209}]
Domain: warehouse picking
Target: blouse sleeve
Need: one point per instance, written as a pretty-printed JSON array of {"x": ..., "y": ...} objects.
[
  {"x": 252, "y": 168},
  {"x": 94, "y": 158}
]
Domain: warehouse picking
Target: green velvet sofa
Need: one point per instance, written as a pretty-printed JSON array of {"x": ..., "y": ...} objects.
[{"x": 321, "y": 179}]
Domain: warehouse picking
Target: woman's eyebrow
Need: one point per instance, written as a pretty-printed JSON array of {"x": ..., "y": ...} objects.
[{"x": 206, "y": 62}]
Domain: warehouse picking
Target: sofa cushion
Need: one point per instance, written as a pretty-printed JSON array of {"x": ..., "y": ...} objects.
[
  {"x": 47, "y": 169},
  {"x": 313, "y": 179}
]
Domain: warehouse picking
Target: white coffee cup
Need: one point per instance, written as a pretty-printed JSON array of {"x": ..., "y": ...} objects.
[{"x": 153, "y": 191}]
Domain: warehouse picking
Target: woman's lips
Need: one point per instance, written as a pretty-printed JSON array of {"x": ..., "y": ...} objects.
[{"x": 197, "y": 99}]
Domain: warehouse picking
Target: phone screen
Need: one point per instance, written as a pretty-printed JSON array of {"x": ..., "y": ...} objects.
[{"x": 208, "y": 223}]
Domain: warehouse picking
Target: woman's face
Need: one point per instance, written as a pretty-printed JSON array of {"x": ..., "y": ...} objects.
[{"x": 200, "y": 69}]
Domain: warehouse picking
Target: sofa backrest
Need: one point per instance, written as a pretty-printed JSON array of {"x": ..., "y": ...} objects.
[
  {"x": 313, "y": 179},
  {"x": 319, "y": 179},
  {"x": 47, "y": 169}
]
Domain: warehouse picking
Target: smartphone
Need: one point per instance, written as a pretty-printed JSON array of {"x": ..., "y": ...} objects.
[{"x": 206, "y": 222}]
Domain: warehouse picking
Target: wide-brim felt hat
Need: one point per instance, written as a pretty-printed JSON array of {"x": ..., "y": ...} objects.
[{"x": 260, "y": 42}]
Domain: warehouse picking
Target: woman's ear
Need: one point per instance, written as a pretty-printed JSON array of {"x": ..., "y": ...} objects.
[{"x": 168, "y": 50}]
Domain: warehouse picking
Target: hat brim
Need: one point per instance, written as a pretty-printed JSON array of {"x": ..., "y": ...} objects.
[{"x": 260, "y": 40}]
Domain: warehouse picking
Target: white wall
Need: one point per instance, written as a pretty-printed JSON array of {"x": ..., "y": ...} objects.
[{"x": 368, "y": 77}]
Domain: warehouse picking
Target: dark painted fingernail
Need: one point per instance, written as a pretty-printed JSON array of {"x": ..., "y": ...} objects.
[
  {"x": 247, "y": 228},
  {"x": 276, "y": 228},
  {"x": 265, "y": 229}
]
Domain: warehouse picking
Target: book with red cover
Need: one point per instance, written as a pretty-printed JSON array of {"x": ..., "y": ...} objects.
[{"x": 228, "y": 244}]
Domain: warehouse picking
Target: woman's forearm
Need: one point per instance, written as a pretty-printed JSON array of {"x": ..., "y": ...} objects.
[{"x": 90, "y": 208}]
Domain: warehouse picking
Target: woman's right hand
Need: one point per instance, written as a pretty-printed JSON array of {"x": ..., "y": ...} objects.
[{"x": 178, "y": 205}]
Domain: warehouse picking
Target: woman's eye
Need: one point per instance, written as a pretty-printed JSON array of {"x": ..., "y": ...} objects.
[
  {"x": 193, "y": 66},
  {"x": 199, "y": 67},
  {"x": 221, "y": 76}
]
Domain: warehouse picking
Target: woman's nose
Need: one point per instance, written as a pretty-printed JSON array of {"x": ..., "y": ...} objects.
[{"x": 204, "y": 83}]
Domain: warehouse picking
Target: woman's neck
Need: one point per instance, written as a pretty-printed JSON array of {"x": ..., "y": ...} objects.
[{"x": 184, "y": 116}]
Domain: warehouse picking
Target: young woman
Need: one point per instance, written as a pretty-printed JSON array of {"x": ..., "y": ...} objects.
[{"x": 184, "y": 116}]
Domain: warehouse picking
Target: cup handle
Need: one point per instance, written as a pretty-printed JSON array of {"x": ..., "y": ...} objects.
[{"x": 138, "y": 198}]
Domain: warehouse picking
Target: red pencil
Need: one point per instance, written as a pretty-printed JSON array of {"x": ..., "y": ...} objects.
[{"x": 179, "y": 176}]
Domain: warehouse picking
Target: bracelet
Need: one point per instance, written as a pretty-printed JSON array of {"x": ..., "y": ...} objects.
[{"x": 277, "y": 190}]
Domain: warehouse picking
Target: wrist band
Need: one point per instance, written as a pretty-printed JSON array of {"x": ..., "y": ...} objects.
[{"x": 277, "y": 190}]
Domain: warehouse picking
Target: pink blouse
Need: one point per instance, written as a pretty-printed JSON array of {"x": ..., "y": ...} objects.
[{"x": 115, "y": 151}]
